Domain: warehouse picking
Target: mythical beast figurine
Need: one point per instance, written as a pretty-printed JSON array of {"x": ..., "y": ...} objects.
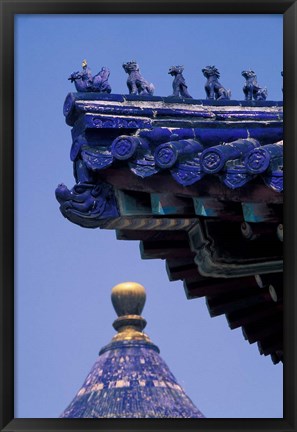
[
  {"x": 85, "y": 82},
  {"x": 251, "y": 89},
  {"x": 180, "y": 88},
  {"x": 135, "y": 82},
  {"x": 213, "y": 88}
]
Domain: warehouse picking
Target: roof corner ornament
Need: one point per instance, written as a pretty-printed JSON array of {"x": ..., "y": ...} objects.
[{"x": 86, "y": 204}]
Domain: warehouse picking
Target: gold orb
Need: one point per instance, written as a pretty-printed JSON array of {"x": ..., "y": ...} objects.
[{"x": 128, "y": 298}]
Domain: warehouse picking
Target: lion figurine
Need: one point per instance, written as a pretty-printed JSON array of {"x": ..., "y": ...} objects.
[
  {"x": 180, "y": 89},
  {"x": 135, "y": 82},
  {"x": 251, "y": 89},
  {"x": 213, "y": 88}
]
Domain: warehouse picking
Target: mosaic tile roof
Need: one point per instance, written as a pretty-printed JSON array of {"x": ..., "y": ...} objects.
[{"x": 130, "y": 379}]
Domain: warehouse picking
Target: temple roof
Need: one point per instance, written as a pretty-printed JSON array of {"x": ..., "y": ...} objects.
[
  {"x": 130, "y": 379},
  {"x": 199, "y": 183}
]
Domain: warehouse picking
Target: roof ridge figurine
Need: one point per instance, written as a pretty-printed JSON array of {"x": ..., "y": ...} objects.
[
  {"x": 251, "y": 89},
  {"x": 213, "y": 88},
  {"x": 85, "y": 82},
  {"x": 180, "y": 88},
  {"x": 136, "y": 83}
]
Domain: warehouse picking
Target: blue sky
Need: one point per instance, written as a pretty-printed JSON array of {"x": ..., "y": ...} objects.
[{"x": 64, "y": 273}]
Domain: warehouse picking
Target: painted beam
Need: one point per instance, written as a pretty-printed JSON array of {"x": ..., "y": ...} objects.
[
  {"x": 168, "y": 204},
  {"x": 132, "y": 203},
  {"x": 214, "y": 208},
  {"x": 220, "y": 253},
  {"x": 207, "y": 187},
  {"x": 261, "y": 212}
]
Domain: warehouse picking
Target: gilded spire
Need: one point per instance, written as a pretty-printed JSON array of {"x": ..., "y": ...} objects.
[
  {"x": 129, "y": 378},
  {"x": 128, "y": 299}
]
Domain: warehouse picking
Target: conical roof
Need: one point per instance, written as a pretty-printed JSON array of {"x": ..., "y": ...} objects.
[{"x": 129, "y": 378}]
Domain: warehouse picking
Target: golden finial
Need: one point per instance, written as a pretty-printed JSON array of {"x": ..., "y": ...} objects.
[
  {"x": 128, "y": 299},
  {"x": 84, "y": 63}
]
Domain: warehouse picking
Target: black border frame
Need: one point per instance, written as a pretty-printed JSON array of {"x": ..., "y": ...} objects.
[{"x": 8, "y": 8}]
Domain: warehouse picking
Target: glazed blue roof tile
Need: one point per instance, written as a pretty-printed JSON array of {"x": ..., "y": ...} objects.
[
  {"x": 189, "y": 139},
  {"x": 130, "y": 380}
]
